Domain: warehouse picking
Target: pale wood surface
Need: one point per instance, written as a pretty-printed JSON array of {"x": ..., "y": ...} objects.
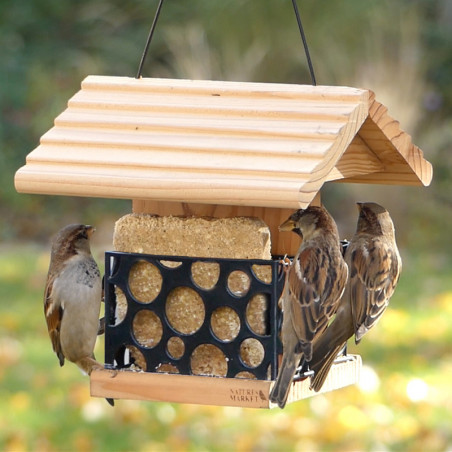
[
  {"x": 219, "y": 143},
  {"x": 229, "y": 143},
  {"x": 358, "y": 159},
  {"x": 212, "y": 390},
  {"x": 403, "y": 162}
]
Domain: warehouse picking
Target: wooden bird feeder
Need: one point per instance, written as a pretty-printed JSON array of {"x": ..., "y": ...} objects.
[{"x": 222, "y": 150}]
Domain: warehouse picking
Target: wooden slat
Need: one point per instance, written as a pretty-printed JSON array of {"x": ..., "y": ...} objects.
[
  {"x": 215, "y": 88},
  {"x": 133, "y": 105},
  {"x": 148, "y": 126},
  {"x": 142, "y": 184},
  {"x": 186, "y": 145},
  {"x": 212, "y": 390},
  {"x": 250, "y": 164}
]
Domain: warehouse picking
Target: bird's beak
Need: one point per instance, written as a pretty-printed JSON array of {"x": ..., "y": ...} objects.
[
  {"x": 90, "y": 230},
  {"x": 288, "y": 225}
]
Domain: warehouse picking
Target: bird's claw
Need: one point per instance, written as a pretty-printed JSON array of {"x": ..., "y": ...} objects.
[
  {"x": 113, "y": 372},
  {"x": 285, "y": 262}
]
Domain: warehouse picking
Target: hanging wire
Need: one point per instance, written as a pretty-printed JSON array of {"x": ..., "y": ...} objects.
[
  {"x": 305, "y": 43},
  {"x": 151, "y": 33},
  {"x": 300, "y": 27}
]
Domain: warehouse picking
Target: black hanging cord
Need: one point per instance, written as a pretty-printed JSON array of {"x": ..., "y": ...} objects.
[
  {"x": 305, "y": 44},
  {"x": 151, "y": 32},
  {"x": 300, "y": 27}
]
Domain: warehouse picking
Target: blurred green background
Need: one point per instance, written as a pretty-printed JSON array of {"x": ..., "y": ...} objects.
[{"x": 402, "y": 50}]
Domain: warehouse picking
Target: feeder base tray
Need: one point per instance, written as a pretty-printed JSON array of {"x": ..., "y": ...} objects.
[{"x": 203, "y": 390}]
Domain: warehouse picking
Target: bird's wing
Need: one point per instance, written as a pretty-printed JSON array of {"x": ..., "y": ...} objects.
[
  {"x": 54, "y": 315},
  {"x": 374, "y": 272},
  {"x": 314, "y": 293}
]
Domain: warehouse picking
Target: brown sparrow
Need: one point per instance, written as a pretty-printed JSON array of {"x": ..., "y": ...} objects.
[
  {"x": 72, "y": 298},
  {"x": 314, "y": 284},
  {"x": 374, "y": 267}
]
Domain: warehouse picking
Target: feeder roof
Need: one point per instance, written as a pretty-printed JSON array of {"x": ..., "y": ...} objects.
[{"x": 215, "y": 142}]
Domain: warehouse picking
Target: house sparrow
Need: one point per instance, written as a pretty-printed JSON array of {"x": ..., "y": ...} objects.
[
  {"x": 72, "y": 298},
  {"x": 374, "y": 267},
  {"x": 314, "y": 284}
]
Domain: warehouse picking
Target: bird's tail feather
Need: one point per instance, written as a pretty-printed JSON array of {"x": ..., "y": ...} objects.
[
  {"x": 322, "y": 368},
  {"x": 329, "y": 344},
  {"x": 280, "y": 390}
]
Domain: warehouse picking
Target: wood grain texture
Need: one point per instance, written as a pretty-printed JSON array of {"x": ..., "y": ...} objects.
[
  {"x": 403, "y": 162},
  {"x": 219, "y": 143},
  {"x": 212, "y": 390}
]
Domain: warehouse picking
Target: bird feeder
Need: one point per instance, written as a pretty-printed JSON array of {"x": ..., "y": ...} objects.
[{"x": 213, "y": 152}]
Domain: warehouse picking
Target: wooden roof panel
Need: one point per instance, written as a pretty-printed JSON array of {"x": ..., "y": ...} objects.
[
  {"x": 231, "y": 143},
  {"x": 403, "y": 162}
]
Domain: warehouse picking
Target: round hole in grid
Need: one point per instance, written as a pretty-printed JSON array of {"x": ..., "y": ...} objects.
[
  {"x": 257, "y": 314},
  {"x": 147, "y": 328},
  {"x": 252, "y": 352},
  {"x": 262, "y": 273},
  {"x": 145, "y": 281},
  {"x": 121, "y": 306},
  {"x": 130, "y": 357},
  {"x": 167, "y": 368},
  {"x": 171, "y": 264},
  {"x": 247, "y": 375},
  {"x": 205, "y": 274},
  {"x": 225, "y": 323},
  {"x": 185, "y": 310},
  {"x": 207, "y": 359},
  {"x": 239, "y": 283},
  {"x": 175, "y": 347}
]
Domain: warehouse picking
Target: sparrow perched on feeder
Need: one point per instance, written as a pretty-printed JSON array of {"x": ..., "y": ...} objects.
[
  {"x": 374, "y": 268},
  {"x": 72, "y": 298},
  {"x": 314, "y": 284}
]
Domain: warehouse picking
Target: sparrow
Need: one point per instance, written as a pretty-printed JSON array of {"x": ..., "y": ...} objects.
[
  {"x": 72, "y": 298},
  {"x": 374, "y": 267},
  {"x": 313, "y": 286}
]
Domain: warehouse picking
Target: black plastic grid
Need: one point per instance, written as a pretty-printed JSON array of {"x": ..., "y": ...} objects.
[{"x": 118, "y": 337}]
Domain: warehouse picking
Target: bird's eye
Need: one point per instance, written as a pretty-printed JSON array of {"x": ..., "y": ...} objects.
[{"x": 82, "y": 235}]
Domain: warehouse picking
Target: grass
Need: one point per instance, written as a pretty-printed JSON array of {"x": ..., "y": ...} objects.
[{"x": 403, "y": 404}]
